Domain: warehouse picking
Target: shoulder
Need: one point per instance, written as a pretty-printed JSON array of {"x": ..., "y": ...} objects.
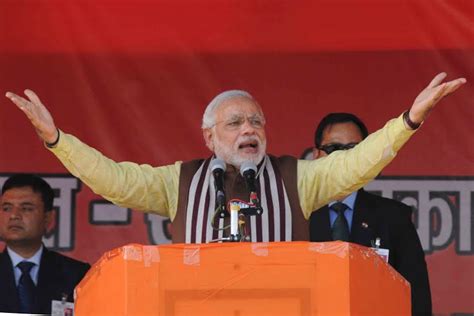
[
  {"x": 195, "y": 163},
  {"x": 65, "y": 262},
  {"x": 4, "y": 258},
  {"x": 284, "y": 161},
  {"x": 286, "y": 166},
  {"x": 388, "y": 206},
  {"x": 188, "y": 168},
  {"x": 283, "y": 158}
]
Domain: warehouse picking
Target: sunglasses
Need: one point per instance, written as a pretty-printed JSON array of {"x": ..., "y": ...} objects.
[{"x": 329, "y": 148}]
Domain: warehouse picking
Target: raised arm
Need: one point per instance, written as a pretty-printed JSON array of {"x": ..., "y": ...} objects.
[
  {"x": 127, "y": 184},
  {"x": 323, "y": 180}
]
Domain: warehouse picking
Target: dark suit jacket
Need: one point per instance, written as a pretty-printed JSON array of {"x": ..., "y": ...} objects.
[
  {"x": 389, "y": 220},
  {"x": 58, "y": 275}
]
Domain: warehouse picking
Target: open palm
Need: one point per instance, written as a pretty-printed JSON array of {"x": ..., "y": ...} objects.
[
  {"x": 431, "y": 95},
  {"x": 37, "y": 113}
]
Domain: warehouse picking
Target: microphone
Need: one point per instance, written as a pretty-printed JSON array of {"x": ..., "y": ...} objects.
[
  {"x": 248, "y": 170},
  {"x": 218, "y": 168}
]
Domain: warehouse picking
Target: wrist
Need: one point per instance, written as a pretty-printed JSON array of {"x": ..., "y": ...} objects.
[
  {"x": 408, "y": 122},
  {"x": 55, "y": 142}
]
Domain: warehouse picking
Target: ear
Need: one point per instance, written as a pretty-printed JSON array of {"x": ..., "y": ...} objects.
[
  {"x": 208, "y": 135},
  {"x": 49, "y": 221}
]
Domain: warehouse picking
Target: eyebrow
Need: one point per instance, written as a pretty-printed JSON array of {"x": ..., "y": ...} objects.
[
  {"x": 240, "y": 115},
  {"x": 235, "y": 116},
  {"x": 21, "y": 204},
  {"x": 27, "y": 204}
]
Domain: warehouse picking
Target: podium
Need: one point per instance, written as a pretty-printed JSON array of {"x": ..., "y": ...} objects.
[{"x": 278, "y": 278}]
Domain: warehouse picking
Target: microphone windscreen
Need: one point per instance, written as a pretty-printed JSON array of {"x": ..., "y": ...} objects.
[
  {"x": 217, "y": 163},
  {"x": 248, "y": 165}
]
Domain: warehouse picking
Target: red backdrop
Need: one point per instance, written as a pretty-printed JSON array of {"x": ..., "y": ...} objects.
[{"x": 132, "y": 78}]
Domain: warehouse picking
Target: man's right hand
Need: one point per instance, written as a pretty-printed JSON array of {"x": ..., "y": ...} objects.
[{"x": 38, "y": 114}]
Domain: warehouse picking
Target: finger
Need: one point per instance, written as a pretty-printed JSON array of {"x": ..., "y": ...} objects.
[
  {"x": 454, "y": 85},
  {"x": 21, "y": 102},
  {"x": 32, "y": 96},
  {"x": 438, "y": 93},
  {"x": 437, "y": 80},
  {"x": 29, "y": 115}
]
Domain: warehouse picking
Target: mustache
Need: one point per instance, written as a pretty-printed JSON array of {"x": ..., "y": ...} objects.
[{"x": 249, "y": 138}]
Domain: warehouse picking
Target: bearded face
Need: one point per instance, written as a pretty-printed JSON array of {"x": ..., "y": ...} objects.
[
  {"x": 246, "y": 148},
  {"x": 238, "y": 134}
]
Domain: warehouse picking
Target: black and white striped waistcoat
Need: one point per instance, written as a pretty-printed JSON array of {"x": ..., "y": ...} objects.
[{"x": 282, "y": 218}]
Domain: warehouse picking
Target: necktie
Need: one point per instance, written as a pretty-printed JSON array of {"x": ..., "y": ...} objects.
[
  {"x": 26, "y": 288},
  {"x": 340, "y": 228}
]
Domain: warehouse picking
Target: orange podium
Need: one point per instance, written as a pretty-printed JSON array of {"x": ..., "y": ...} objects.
[{"x": 278, "y": 278}]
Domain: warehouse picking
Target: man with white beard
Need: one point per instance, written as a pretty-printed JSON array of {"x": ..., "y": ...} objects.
[{"x": 234, "y": 130}]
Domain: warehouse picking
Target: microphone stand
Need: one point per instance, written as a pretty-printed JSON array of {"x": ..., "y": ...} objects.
[
  {"x": 234, "y": 222},
  {"x": 238, "y": 210}
]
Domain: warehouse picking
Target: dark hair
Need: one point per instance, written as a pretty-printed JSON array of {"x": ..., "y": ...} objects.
[
  {"x": 336, "y": 118},
  {"x": 37, "y": 184}
]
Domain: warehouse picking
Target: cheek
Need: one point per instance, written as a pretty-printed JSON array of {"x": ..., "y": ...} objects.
[
  {"x": 3, "y": 218},
  {"x": 34, "y": 222},
  {"x": 228, "y": 139}
]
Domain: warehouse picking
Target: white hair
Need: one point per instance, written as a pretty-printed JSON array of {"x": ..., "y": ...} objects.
[{"x": 209, "y": 116}]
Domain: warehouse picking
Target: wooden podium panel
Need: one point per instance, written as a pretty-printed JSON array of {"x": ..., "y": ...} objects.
[{"x": 297, "y": 278}]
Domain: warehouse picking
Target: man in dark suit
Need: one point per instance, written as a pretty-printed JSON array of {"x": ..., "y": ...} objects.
[
  {"x": 368, "y": 219},
  {"x": 31, "y": 276}
]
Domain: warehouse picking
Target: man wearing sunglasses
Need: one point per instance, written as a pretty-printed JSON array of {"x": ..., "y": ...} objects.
[{"x": 368, "y": 219}]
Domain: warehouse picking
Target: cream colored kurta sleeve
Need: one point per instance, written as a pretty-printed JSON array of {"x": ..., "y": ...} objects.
[
  {"x": 342, "y": 172},
  {"x": 127, "y": 184}
]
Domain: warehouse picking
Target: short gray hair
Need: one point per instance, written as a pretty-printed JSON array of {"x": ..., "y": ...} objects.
[{"x": 209, "y": 116}]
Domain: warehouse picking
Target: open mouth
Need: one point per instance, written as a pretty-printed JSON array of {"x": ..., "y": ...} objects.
[{"x": 249, "y": 145}]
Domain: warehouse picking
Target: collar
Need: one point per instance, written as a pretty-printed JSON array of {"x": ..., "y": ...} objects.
[
  {"x": 16, "y": 258},
  {"x": 349, "y": 200}
]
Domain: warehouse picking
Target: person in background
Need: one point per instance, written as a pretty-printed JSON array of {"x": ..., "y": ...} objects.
[
  {"x": 369, "y": 219},
  {"x": 31, "y": 276}
]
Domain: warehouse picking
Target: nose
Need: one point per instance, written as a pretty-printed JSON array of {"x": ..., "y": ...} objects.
[
  {"x": 247, "y": 127},
  {"x": 15, "y": 213}
]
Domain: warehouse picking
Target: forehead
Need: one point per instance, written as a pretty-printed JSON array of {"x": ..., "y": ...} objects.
[
  {"x": 21, "y": 195},
  {"x": 237, "y": 106},
  {"x": 344, "y": 133}
]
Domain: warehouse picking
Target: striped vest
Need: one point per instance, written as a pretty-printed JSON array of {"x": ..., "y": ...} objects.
[{"x": 282, "y": 218}]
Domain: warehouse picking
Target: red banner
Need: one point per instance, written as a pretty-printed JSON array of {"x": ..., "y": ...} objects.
[{"x": 132, "y": 78}]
